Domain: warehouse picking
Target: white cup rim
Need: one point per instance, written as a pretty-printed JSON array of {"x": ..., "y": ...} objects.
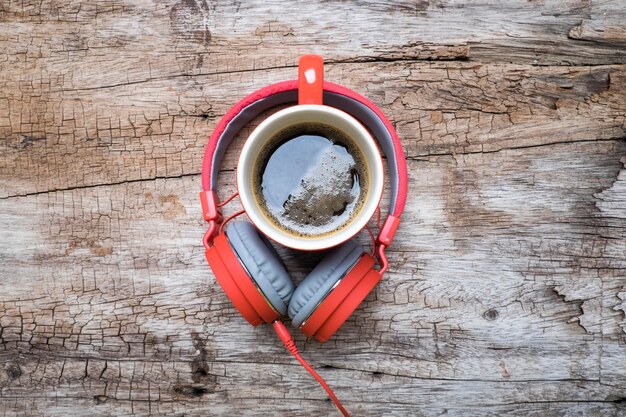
[{"x": 301, "y": 114}]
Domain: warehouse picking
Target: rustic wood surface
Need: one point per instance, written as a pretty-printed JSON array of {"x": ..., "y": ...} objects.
[{"x": 507, "y": 288}]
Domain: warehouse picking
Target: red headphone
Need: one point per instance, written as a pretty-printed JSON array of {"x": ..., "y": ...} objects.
[{"x": 245, "y": 263}]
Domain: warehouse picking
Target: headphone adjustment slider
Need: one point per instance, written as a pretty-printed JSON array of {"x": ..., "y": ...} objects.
[
  {"x": 388, "y": 231},
  {"x": 210, "y": 208}
]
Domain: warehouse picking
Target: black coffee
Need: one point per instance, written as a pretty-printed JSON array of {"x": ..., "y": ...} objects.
[{"x": 310, "y": 179}]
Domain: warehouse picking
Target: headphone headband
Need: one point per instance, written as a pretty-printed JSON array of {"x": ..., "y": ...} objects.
[{"x": 335, "y": 96}]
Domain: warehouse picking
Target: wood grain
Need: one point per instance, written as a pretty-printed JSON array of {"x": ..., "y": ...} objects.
[{"x": 507, "y": 288}]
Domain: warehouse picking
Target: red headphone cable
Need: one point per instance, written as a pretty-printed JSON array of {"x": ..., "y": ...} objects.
[{"x": 287, "y": 340}]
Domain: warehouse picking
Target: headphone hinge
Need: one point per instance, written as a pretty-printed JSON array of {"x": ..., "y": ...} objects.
[
  {"x": 207, "y": 239},
  {"x": 212, "y": 215},
  {"x": 382, "y": 259}
]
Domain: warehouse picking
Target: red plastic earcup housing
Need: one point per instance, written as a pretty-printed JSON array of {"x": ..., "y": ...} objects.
[
  {"x": 335, "y": 309},
  {"x": 237, "y": 284}
]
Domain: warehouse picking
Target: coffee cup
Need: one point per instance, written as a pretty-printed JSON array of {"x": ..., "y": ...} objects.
[{"x": 310, "y": 176}]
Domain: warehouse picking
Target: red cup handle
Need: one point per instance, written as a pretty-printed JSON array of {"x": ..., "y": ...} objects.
[{"x": 310, "y": 79}]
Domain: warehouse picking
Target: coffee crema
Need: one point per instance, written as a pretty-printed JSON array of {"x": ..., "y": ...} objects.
[{"x": 310, "y": 180}]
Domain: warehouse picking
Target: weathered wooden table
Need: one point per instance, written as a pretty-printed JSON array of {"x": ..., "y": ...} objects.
[{"x": 507, "y": 290}]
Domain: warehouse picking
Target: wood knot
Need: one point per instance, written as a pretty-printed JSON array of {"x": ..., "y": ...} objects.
[
  {"x": 192, "y": 390},
  {"x": 14, "y": 371},
  {"x": 100, "y": 399},
  {"x": 491, "y": 314},
  {"x": 190, "y": 21},
  {"x": 203, "y": 380}
]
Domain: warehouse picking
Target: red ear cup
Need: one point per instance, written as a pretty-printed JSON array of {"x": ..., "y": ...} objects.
[
  {"x": 339, "y": 304},
  {"x": 237, "y": 284}
]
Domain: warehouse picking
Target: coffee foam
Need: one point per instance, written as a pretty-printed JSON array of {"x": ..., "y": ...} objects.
[{"x": 325, "y": 201}]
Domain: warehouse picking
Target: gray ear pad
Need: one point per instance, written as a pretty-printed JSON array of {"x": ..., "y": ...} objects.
[
  {"x": 260, "y": 259},
  {"x": 319, "y": 282}
]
